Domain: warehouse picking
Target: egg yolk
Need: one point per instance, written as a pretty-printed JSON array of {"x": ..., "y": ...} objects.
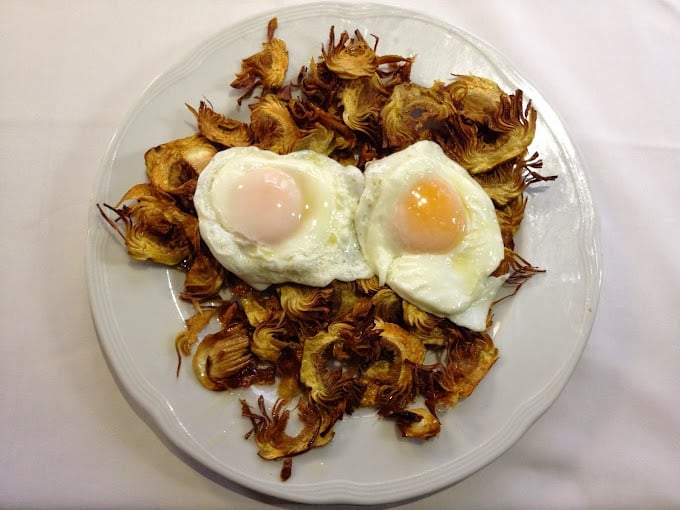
[
  {"x": 429, "y": 217},
  {"x": 265, "y": 205}
]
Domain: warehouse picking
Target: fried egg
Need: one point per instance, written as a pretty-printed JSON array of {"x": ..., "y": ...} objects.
[
  {"x": 272, "y": 218},
  {"x": 429, "y": 231}
]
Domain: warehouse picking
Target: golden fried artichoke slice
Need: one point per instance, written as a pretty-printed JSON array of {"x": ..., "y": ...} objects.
[
  {"x": 394, "y": 385},
  {"x": 204, "y": 278},
  {"x": 517, "y": 269},
  {"x": 507, "y": 181},
  {"x": 272, "y": 125},
  {"x": 367, "y": 286},
  {"x": 193, "y": 327},
  {"x": 362, "y": 100},
  {"x": 266, "y": 68},
  {"x": 264, "y": 313},
  {"x": 259, "y": 306},
  {"x": 142, "y": 190},
  {"x": 419, "y": 422},
  {"x": 288, "y": 370},
  {"x": 342, "y": 300},
  {"x": 431, "y": 330},
  {"x": 319, "y": 84},
  {"x": 469, "y": 357},
  {"x": 220, "y": 129},
  {"x": 379, "y": 374},
  {"x": 223, "y": 360},
  {"x": 306, "y": 307},
  {"x": 157, "y": 230},
  {"x": 358, "y": 343},
  {"x": 318, "y": 138},
  {"x": 503, "y": 126},
  {"x": 307, "y": 113},
  {"x": 172, "y": 166},
  {"x": 509, "y": 219},
  {"x": 387, "y": 305},
  {"x": 270, "y": 337},
  {"x": 415, "y": 113},
  {"x": 331, "y": 387},
  {"x": 351, "y": 57},
  {"x": 270, "y": 434}
]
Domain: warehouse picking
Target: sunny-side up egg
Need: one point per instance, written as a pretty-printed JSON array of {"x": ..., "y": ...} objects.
[
  {"x": 430, "y": 232},
  {"x": 272, "y": 218}
]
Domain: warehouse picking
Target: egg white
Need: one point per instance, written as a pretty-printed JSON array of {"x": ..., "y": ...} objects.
[
  {"x": 456, "y": 284},
  {"x": 322, "y": 249}
]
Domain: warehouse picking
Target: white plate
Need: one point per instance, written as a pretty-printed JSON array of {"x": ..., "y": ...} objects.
[{"x": 540, "y": 333}]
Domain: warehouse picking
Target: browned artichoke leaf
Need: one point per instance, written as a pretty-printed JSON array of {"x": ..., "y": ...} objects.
[
  {"x": 505, "y": 182},
  {"x": 469, "y": 356},
  {"x": 193, "y": 326},
  {"x": 270, "y": 337},
  {"x": 309, "y": 114},
  {"x": 470, "y": 360},
  {"x": 379, "y": 374},
  {"x": 342, "y": 300},
  {"x": 171, "y": 165},
  {"x": 155, "y": 229},
  {"x": 220, "y": 129},
  {"x": 479, "y": 97},
  {"x": 271, "y": 437},
  {"x": 431, "y": 330},
  {"x": 267, "y": 67},
  {"x": 504, "y": 126},
  {"x": 517, "y": 269},
  {"x": 307, "y": 307},
  {"x": 418, "y": 423},
  {"x": 137, "y": 192},
  {"x": 319, "y": 84},
  {"x": 263, "y": 311},
  {"x": 418, "y": 319},
  {"x": 351, "y": 57},
  {"x": 362, "y": 100},
  {"x": 272, "y": 125},
  {"x": 358, "y": 344},
  {"x": 288, "y": 369},
  {"x": 333, "y": 388},
  {"x": 204, "y": 278},
  {"x": 400, "y": 341},
  {"x": 318, "y": 139},
  {"x": 259, "y": 306},
  {"x": 223, "y": 360},
  {"x": 316, "y": 353},
  {"x": 394, "y": 70},
  {"x": 407, "y": 352},
  {"x": 414, "y": 112},
  {"x": 367, "y": 286},
  {"x": 387, "y": 305},
  {"x": 509, "y": 219},
  {"x": 437, "y": 384}
]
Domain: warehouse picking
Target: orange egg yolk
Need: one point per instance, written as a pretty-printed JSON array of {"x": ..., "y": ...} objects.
[
  {"x": 265, "y": 205},
  {"x": 429, "y": 217}
]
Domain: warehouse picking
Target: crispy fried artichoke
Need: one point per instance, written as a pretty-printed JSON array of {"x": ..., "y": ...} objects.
[
  {"x": 220, "y": 129},
  {"x": 157, "y": 230},
  {"x": 266, "y": 68}
]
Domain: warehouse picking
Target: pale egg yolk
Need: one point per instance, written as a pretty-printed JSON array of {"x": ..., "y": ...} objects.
[
  {"x": 429, "y": 217},
  {"x": 265, "y": 205}
]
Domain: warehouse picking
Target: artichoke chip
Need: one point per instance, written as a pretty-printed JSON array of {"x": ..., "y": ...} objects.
[{"x": 266, "y": 69}]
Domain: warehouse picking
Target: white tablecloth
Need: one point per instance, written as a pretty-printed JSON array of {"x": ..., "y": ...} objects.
[{"x": 69, "y": 72}]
